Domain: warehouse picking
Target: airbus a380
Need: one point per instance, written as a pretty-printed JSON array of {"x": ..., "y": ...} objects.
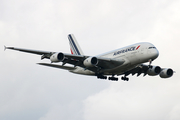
[{"x": 124, "y": 61}]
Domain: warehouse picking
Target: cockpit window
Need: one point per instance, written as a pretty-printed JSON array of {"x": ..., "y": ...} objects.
[{"x": 152, "y": 48}]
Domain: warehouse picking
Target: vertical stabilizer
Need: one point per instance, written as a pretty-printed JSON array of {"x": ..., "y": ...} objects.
[{"x": 74, "y": 46}]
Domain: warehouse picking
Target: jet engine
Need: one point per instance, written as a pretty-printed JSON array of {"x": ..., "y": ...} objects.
[
  {"x": 90, "y": 62},
  {"x": 57, "y": 57},
  {"x": 154, "y": 70},
  {"x": 166, "y": 73}
]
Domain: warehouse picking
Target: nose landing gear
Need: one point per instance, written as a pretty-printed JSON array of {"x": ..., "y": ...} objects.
[{"x": 150, "y": 61}]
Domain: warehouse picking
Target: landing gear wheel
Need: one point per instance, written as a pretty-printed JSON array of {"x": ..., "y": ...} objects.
[
  {"x": 113, "y": 78},
  {"x": 125, "y": 78},
  {"x": 101, "y": 77}
]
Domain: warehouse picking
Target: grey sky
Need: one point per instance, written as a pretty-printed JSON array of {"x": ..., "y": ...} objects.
[{"x": 29, "y": 91}]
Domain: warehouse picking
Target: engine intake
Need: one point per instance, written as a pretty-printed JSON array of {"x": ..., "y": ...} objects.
[
  {"x": 90, "y": 62},
  {"x": 57, "y": 57},
  {"x": 155, "y": 70},
  {"x": 166, "y": 73}
]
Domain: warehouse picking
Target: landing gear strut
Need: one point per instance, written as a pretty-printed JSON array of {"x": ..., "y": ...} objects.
[{"x": 150, "y": 61}]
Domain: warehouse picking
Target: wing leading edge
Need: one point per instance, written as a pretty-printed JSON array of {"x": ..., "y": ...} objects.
[{"x": 38, "y": 52}]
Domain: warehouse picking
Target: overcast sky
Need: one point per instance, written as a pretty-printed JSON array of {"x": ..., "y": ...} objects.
[{"x": 32, "y": 92}]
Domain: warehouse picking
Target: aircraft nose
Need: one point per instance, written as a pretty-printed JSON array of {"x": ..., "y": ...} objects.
[{"x": 155, "y": 54}]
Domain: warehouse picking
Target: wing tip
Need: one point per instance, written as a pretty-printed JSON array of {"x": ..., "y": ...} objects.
[
  {"x": 5, "y": 47},
  {"x": 8, "y": 47},
  {"x": 41, "y": 63}
]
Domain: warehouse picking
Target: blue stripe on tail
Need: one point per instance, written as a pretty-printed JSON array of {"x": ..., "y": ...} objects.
[
  {"x": 74, "y": 45},
  {"x": 73, "y": 49}
]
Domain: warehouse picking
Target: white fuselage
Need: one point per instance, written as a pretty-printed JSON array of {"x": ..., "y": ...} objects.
[{"x": 133, "y": 55}]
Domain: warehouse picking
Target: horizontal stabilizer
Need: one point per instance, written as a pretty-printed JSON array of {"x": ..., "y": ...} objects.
[{"x": 57, "y": 66}]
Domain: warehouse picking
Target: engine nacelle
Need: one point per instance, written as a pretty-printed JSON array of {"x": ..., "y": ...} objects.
[
  {"x": 90, "y": 62},
  {"x": 166, "y": 73},
  {"x": 155, "y": 70},
  {"x": 57, "y": 57}
]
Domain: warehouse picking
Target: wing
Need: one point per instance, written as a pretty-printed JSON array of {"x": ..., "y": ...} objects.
[
  {"x": 79, "y": 60},
  {"x": 151, "y": 71},
  {"x": 45, "y": 54},
  {"x": 76, "y": 60},
  {"x": 57, "y": 66},
  {"x": 103, "y": 63},
  {"x": 38, "y": 52},
  {"x": 138, "y": 70}
]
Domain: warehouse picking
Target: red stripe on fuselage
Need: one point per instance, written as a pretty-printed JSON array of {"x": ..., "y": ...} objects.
[{"x": 138, "y": 47}]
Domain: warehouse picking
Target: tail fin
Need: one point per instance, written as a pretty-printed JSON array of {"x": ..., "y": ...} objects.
[{"x": 74, "y": 46}]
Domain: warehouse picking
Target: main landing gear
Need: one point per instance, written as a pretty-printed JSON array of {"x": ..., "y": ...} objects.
[
  {"x": 125, "y": 78},
  {"x": 105, "y": 77},
  {"x": 101, "y": 77},
  {"x": 112, "y": 78}
]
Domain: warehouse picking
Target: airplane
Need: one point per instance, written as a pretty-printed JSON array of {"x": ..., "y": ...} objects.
[{"x": 123, "y": 61}]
